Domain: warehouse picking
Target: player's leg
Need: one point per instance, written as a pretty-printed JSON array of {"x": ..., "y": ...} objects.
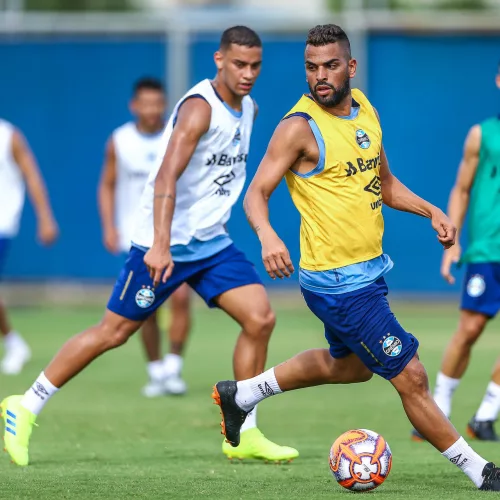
[
  {"x": 132, "y": 301},
  {"x": 17, "y": 352},
  {"x": 180, "y": 324},
  {"x": 150, "y": 337},
  {"x": 413, "y": 387},
  {"x": 456, "y": 357}
]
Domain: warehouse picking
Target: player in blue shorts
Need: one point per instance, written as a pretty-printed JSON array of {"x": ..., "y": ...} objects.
[
  {"x": 476, "y": 191},
  {"x": 180, "y": 237},
  {"x": 18, "y": 171},
  {"x": 329, "y": 149}
]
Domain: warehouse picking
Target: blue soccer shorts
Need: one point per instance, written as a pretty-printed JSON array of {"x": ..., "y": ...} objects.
[
  {"x": 4, "y": 247},
  {"x": 135, "y": 298},
  {"x": 481, "y": 289},
  {"x": 362, "y": 322}
]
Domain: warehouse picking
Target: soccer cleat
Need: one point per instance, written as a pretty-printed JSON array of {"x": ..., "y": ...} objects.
[
  {"x": 491, "y": 475},
  {"x": 484, "y": 431},
  {"x": 416, "y": 436},
  {"x": 232, "y": 415},
  {"x": 15, "y": 358},
  {"x": 175, "y": 385},
  {"x": 19, "y": 424},
  {"x": 253, "y": 444}
]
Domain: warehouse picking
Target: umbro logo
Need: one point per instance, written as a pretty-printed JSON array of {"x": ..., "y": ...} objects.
[
  {"x": 457, "y": 459},
  {"x": 374, "y": 186},
  {"x": 41, "y": 388},
  {"x": 266, "y": 390}
]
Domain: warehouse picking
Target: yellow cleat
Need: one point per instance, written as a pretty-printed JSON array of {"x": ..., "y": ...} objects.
[
  {"x": 255, "y": 445},
  {"x": 18, "y": 422}
]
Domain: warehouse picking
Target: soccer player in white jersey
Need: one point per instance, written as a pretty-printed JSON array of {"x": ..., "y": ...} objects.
[
  {"x": 131, "y": 154},
  {"x": 181, "y": 238},
  {"x": 18, "y": 168}
]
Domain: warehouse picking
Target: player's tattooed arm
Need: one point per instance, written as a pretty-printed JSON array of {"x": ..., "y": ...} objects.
[
  {"x": 397, "y": 196},
  {"x": 285, "y": 148},
  {"x": 193, "y": 121}
]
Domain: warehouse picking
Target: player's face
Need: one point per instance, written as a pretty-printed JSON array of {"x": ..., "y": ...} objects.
[
  {"x": 239, "y": 67},
  {"x": 149, "y": 107},
  {"x": 329, "y": 71}
]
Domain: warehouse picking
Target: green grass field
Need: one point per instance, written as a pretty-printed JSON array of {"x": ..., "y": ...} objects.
[{"x": 98, "y": 438}]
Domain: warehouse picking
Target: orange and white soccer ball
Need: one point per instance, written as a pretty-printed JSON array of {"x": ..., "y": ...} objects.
[{"x": 360, "y": 460}]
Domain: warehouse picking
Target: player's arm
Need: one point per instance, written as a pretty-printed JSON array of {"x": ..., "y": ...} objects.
[
  {"x": 286, "y": 146},
  {"x": 193, "y": 121},
  {"x": 459, "y": 197},
  {"x": 397, "y": 196},
  {"x": 47, "y": 227},
  {"x": 106, "y": 197}
]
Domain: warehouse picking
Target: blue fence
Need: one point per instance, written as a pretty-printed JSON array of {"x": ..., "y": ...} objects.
[{"x": 68, "y": 93}]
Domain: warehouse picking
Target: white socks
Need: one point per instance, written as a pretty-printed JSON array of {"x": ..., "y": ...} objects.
[
  {"x": 254, "y": 390},
  {"x": 13, "y": 341},
  {"x": 38, "y": 394},
  {"x": 250, "y": 422},
  {"x": 156, "y": 371},
  {"x": 172, "y": 365},
  {"x": 445, "y": 387},
  {"x": 490, "y": 405},
  {"x": 465, "y": 458}
]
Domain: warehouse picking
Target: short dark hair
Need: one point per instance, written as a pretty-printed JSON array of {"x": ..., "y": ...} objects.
[
  {"x": 240, "y": 35},
  {"x": 324, "y": 34},
  {"x": 148, "y": 83}
]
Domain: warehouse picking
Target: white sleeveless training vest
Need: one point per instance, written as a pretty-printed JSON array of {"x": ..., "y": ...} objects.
[
  {"x": 12, "y": 189},
  {"x": 136, "y": 157},
  {"x": 213, "y": 179}
]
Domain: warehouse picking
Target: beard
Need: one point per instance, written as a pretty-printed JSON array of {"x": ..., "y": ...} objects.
[{"x": 339, "y": 94}]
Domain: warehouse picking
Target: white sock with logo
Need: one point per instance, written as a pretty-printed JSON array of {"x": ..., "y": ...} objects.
[
  {"x": 254, "y": 390},
  {"x": 251, "y": 421},
  {"x": 465, "y": 458},
  {"x": 445, "y": 387},
  {"x": 490, "y": 405},
  {"x": 38, "y": 394}
]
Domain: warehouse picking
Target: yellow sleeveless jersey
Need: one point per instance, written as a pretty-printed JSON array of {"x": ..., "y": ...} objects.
[{"x": 340, "y": 201}]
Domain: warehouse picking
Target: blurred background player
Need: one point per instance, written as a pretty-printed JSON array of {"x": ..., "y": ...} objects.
[
  {"x": 476, "y": 191},
  {"x": 131, "y": 154},
  {"x": 18, "y": 168},
  {"x": 180, "y": 237}
]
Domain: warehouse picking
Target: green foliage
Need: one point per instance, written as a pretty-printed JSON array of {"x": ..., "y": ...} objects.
[{"x": 78, "y": 5}]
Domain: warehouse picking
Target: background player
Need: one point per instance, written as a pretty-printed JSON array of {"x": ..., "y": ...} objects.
[
  {"x": 330, "y": 150},
  {"x": 201, "y": 177},
  {"x": 18, "y": 168},
  {"x": 476, "y": 190},
  {"x": 131, "y": 154}
]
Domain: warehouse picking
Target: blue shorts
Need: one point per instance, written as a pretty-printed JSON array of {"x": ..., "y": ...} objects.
[
  {"x": 4, "y": 246},
  {"x": 481, "y": 289},
  {"x": 135, "y": 298},
  {"x": 362, "y": 322}
]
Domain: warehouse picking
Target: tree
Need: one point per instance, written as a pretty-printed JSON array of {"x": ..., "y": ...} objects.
[{"x": 78, "y": 5}]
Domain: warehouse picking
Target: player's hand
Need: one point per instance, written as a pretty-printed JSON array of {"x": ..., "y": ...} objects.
[
  {"x": 47, "y": 231},
  {"x": 451, "y": 256},
  {"x": 159, "y": 263},
  {"x": 276, "y": 257},
  {"x": 110, "y": 240},
  {"x": 446, "y": 231}
]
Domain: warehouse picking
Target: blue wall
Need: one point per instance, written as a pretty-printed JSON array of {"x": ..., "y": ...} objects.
[{"x": 67, "y": 94}]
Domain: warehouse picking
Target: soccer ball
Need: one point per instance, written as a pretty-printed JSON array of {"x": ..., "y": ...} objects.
[{"x": 360, "y": 460}]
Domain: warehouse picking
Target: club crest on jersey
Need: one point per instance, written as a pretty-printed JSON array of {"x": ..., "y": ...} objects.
[
  {"x": 145, "y": 297},
  {"x": 476, "y": 286},
  {"x": 151, "y": 156},
  {"x": 237, "y": 137},
  {"x": 392, "y": 346},
  {"x": 362, "y": 139}
]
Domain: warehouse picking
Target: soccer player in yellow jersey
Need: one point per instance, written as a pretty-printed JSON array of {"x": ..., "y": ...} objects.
[{"x": 329, "y": 149}]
